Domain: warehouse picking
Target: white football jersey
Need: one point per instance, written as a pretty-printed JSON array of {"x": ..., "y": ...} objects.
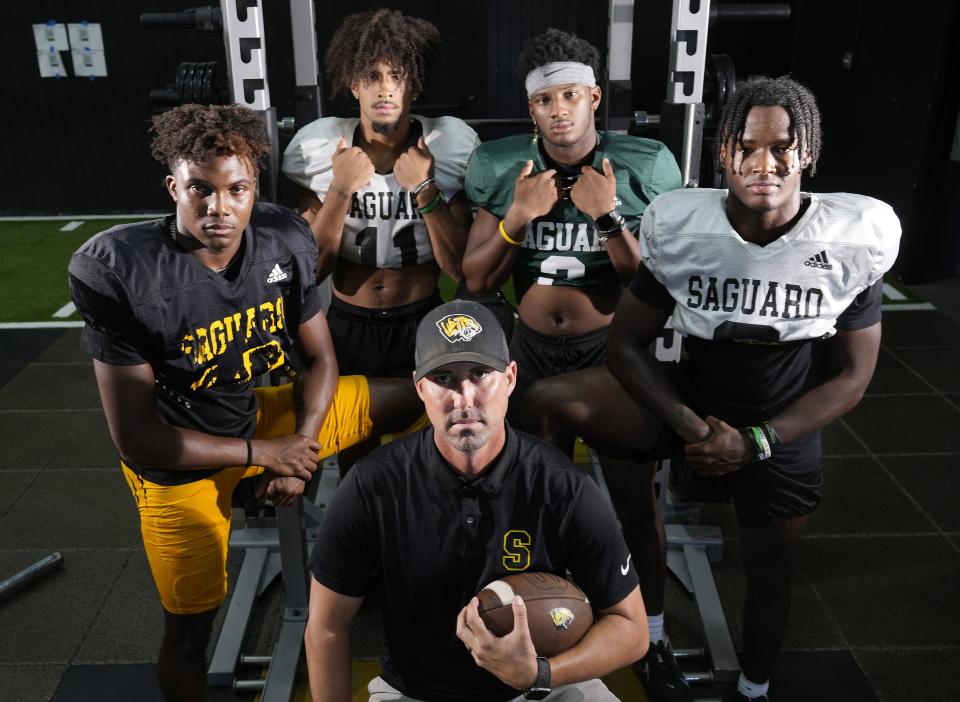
[
  {"x": 383, "y": 228},
  {"x": 792, "y": 289}
]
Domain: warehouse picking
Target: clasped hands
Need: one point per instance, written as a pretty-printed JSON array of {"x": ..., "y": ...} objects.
[
  {"x": 723, "y": 450},
  {"x": 290, "y": 461}
]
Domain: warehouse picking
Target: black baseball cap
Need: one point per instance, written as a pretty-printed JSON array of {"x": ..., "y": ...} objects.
[{"x": 459, "y": 330}]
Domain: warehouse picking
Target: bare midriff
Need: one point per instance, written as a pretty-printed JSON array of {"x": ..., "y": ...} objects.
[
  {"x": 559, "y": 310},
  {"x": 380, "y": 288}
]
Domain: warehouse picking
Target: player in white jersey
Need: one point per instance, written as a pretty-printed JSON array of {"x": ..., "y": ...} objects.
[
  {"x": 777, "y": 293},
  {"x": 383, "y": 192}
]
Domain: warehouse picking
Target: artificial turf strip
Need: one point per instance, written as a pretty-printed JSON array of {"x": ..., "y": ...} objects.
[{"x": 33, "y": 267}]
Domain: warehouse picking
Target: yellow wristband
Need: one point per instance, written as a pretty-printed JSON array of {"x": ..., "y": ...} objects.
[{"x": 503, "y": 233}]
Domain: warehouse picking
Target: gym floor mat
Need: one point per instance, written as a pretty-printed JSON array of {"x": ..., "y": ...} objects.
[
  {"x": 122, "y": 683},
  {"x": 21, "y": 347}
]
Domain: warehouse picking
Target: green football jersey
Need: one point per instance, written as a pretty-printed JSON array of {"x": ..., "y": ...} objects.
[{"x": 561, "y": 247}]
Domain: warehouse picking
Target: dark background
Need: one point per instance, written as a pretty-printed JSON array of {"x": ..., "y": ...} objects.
[{"x": 79, "y": 146}]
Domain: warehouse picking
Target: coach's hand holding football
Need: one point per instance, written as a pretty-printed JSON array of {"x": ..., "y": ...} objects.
[
  {"x": 512, "y": 658},
  {"x": 435, "y": 516}
]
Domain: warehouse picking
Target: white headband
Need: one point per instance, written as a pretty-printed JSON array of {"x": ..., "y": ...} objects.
[{"x": 559, "y": 73}]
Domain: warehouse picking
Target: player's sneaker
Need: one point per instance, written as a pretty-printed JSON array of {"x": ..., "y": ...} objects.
[{"x": 661, "y": 676}]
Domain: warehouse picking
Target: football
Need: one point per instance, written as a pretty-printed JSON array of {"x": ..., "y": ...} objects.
[{"x": 558, "y": 612}]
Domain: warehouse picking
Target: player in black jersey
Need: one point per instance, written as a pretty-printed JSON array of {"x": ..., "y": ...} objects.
[
  {"x": 182, "y": 314},
  {"x": 778, "y": 295}
]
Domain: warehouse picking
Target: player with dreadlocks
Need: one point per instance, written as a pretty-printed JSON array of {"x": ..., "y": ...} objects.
[
  {"x": 383, "y": 192},
  {"x": 777, "y": 293},
  {"x": 182, "y": 314},
  {"x": 560, "y": 212}
]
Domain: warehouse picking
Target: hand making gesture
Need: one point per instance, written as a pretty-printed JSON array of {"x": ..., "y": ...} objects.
[
  {"x": 414, "y": 166},
  {"x": 535, "y": 195},
  {"x": 594, "y": 193},
  {"x": 352, "y": 168}
]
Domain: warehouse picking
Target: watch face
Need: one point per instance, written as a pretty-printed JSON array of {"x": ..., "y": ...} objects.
[{"x": 537, "y": 693}]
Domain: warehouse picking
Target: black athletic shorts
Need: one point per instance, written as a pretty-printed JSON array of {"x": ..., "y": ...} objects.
[
  {"x": 788, "y": 484},
  {"x": 377, "y": 342},
  {"x": 541, "y": 356}
]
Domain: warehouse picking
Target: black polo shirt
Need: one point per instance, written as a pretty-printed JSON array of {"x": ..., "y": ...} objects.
[{"x": 405, "y": 519}]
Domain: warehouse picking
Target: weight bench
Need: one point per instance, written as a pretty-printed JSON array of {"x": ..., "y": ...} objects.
[{"x": 265, "y": 547}]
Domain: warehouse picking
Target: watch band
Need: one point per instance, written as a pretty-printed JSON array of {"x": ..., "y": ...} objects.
[
  {"x": 609, "y": 225},
  {"x": 541, "y": 686},
  {"x": 608, "y": 221}
]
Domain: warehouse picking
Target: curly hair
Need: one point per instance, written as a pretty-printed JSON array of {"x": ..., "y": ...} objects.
[
  {"x": 763, "y": 91},
  {"x": 201, "y": 133},
  {"x": 398, "y": 40},
  {"x": 555, "y": 45}
]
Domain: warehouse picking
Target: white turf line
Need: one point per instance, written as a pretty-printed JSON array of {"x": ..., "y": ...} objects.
[
  {"x": 908, "y": 307},
  {"x": 60, "y": 218},
  {"x": 70, "y": 226},
  {"x": 65, "y": 311},
  {"x": 892, "y": 293},
  {"x": 40, "y": 325}
]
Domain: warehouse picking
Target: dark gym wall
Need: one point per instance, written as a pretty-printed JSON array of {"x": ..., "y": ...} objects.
[
  {"x": 888, "y": 86},
  {"x": 79, "y": 145},
  {"x": 889, "y": 110}
]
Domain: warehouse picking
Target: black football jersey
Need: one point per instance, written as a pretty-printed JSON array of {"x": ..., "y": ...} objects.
[{"x": 207, "y": 336}]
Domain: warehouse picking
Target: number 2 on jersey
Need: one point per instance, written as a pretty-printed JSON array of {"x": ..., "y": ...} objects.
[{"x": 553, "y": 265}]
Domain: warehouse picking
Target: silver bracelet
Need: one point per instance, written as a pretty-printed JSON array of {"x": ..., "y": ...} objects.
[{"x": 424, "y": 184}]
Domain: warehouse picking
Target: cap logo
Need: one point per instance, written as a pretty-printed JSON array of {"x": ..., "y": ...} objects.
[{"x": 458, "y": 327}]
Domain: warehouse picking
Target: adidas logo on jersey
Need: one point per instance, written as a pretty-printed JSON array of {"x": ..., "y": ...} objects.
[
  {"x": 276, "y": 275},
  {"x": 819, "y": 261}
]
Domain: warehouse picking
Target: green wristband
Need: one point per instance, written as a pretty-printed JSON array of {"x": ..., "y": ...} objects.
[
  {"x": 428, "y": 208},
  {"x": 757, "y": 441},
  {"x": 772, "y": 436}
]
